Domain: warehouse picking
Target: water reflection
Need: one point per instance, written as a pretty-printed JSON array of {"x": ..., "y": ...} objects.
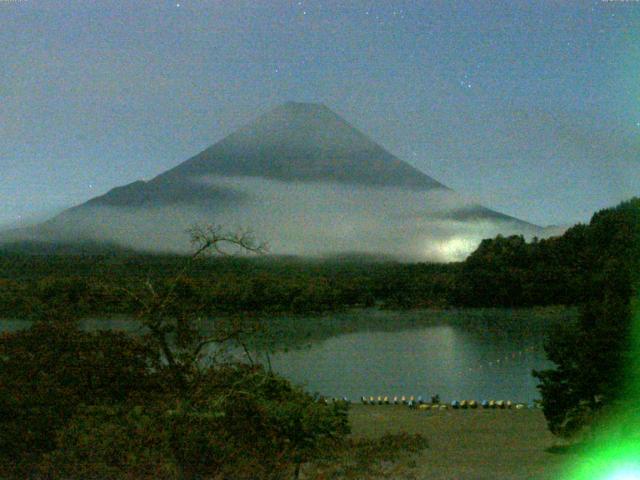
[
  {"x": 491, "y": 359},
  {"x": 458, "y": 354}
]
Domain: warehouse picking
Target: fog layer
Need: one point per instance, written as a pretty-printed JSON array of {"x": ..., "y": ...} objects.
[{"x": 302, "y": 218}]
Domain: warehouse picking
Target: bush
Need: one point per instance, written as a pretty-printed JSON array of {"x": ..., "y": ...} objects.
[
  {"x": 49, "y": 370},
  {"x": 111, "y": 442},
  {"x": 75, "y": 404}
]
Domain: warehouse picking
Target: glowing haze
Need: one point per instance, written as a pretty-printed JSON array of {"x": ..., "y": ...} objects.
[{"x": 301, "y": 219}]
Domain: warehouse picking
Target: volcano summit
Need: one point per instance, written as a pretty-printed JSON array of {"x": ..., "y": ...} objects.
[{"x": 301, "y": 178}]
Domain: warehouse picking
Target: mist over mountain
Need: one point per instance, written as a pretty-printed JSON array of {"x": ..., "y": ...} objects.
[{"x": 299, "y": 177}]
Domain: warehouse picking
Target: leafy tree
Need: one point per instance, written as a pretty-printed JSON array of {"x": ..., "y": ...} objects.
[
  {"x": 258, "y": 414},
  {"x": 493, "y": 274},
  {"x": 592, "y": 356},
  {"x": 49, "y": 370},
  {"x": 261, "y": 424},
  {"x": 240, "y": 423},
  {"x": 111, "y": 442}
]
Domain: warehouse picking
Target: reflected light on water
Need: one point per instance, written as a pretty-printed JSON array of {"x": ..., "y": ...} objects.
[
  {"x": 446, "y": 335},
  {"x": 446, "y": 359}
]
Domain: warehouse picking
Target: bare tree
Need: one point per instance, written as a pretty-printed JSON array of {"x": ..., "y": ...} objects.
[{"x": 172, "y": 326}]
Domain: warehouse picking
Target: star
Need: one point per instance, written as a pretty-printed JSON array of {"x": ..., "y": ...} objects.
[{"x": 177, "y": 5}]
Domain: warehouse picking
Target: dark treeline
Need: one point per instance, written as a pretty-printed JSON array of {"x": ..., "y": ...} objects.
[
  {"x": 558, "y": 270},
  {"x": 597, "y": 267},
  {"x": 91, "y": 283},
  {"x": 508, "y": 271}
]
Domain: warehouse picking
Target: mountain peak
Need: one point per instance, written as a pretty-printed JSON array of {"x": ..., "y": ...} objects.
[
  {"x": 302, "y": 106},
  {"x": 305, "y": 142}
]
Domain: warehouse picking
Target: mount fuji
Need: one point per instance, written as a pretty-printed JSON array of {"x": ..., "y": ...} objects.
[{"x": 299, "y": 177}]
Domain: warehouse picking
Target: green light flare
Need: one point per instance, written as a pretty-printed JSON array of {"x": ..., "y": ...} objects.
[
  {"x": 615, "y": 451},
  {"x": 616, "y": 462}
]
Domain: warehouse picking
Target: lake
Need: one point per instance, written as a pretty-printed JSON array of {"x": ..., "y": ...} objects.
[{"x": 458, "y": 354}]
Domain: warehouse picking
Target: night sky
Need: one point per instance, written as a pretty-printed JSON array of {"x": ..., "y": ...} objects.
[{"x": 530, "y": 107}]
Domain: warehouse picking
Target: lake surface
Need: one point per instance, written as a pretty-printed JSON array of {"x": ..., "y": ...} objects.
[
  {"x": 458, "y": 354},
  {"x": 465, "y": 354}
]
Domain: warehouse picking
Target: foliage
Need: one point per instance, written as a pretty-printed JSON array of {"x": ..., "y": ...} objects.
[
  {"x": 105, "y": 405},
  {"x": 49, "y": 370},
  {"x": 89, "y": 285},
  {"x": 592, "y": 356},
  {"x": 111, "y": 442},
  {"x": 258, "y": 424},
  {"x": 241, "y": 423},
  {"x": 508, "y": 271}
]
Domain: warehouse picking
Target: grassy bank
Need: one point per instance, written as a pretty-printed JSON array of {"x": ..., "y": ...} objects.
[{"x": 469, "y": 444}]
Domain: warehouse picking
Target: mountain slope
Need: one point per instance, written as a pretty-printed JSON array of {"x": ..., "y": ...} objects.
[
  {"x": 302, "y": 178},
  {"x": 294, "y": 142},
  {"x": 303, "y": 142}
]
